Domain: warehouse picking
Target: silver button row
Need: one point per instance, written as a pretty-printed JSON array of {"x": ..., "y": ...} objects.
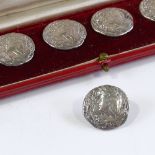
[{"x": 17, "y": 49}]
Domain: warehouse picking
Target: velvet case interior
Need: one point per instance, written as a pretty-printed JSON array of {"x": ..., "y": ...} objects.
[{"x": 48, "y": 59}]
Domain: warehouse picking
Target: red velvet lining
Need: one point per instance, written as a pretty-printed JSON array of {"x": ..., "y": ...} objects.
[{"x": 48, "y": 59}]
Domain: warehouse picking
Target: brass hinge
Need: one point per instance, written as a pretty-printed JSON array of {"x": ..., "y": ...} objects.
[{"x": 103, "y": 60}]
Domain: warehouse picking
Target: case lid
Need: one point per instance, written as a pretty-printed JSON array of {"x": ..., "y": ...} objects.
[{"x": 18, "y": 12}]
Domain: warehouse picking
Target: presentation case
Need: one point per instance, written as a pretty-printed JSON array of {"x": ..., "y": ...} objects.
[{"x": 98, "y": 52}]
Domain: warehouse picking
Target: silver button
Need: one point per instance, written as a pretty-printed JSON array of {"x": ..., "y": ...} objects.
[
  {"x": 106, "y": 107},
  {"x": 64, "y": 34},
  {"x": 112, "y": 22},
  {"x": 147, "y": 9},
  {"x": 16, "y": 49}
]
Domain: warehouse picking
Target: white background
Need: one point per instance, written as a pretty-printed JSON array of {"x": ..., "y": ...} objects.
[{"x": 49, "y": 121}]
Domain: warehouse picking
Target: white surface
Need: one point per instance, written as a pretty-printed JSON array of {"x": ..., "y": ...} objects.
[{"x": 49, "y": 121}]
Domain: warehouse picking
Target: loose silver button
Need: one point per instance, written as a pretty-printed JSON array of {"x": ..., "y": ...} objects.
[
  {"x": 106, "y": 107},
  {"x": 16, "y": 49},
  {"x": 147, "y": 9},
  {"x": 112, "y": 22},
  {"x": 64, "y": 34}
]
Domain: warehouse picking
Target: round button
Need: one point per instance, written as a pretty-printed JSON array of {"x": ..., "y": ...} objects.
[
  {"x": 16, "y": 49},
  {"x": 147, "y": 9},
  {"x": 64, "y": 34},
  {"x": 112, "y": 22},
  {"x": 106, "y": 107}
]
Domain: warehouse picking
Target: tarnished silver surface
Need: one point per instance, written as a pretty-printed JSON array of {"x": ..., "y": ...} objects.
[
  {"x": 65, "y": 34},
  {"x": 106, "y": 107},
  {"x": 16, "y": 49},
  {"x": 147, "y": 9},
  {"x": 112, "y": 22}
]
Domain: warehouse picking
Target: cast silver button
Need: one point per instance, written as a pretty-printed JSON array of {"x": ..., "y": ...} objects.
[
  {"x": 64, "y": 34},
  {"x": 112, "y": 22},
  {"x": 106, "y": 107},
  {"x": 16, "y": 49},
  {"x": 147, "y": 9}
]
